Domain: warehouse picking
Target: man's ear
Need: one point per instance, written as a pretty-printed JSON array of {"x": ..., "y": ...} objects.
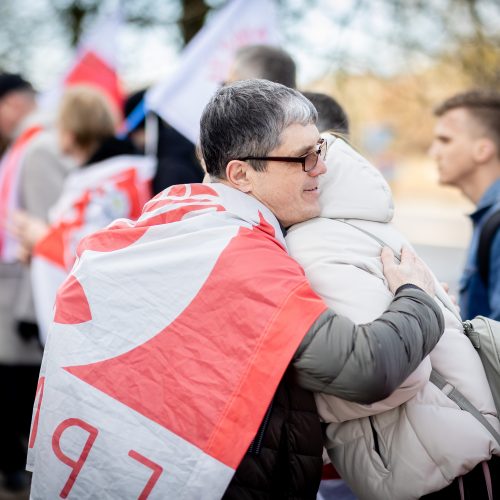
[
  {"x": 239, "y": 175},
  {"x": 484, "y": 149}
]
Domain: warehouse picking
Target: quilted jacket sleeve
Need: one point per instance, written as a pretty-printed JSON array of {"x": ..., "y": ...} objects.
[{"x": 366, "y": 363}]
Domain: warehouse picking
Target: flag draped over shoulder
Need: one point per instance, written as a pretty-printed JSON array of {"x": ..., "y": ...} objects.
[
  {"x": 10, "y": 171},
  {"x": 205, "y": 62},
  {"x": 92, "y": 198},
  {"x": 171, "y": 335}
]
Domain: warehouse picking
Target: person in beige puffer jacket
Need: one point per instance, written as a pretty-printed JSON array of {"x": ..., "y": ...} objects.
[{"x": 417, "y": 441}]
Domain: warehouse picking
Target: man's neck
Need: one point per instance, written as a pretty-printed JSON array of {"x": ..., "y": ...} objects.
[{"x": 474, "y": 188}]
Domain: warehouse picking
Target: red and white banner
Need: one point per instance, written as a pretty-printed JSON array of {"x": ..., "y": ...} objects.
[
  {"x": 205, "y": 62},
  {"x": 171, "y": 335},
  {"x": 92, "y": 198},
  {"x": 95, "y": 65},
  {"x": 10, "y": 170}
]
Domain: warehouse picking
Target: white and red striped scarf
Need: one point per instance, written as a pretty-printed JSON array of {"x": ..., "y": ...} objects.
[
  {"x": 171, "y": 335},
  {"x": 92, "y": 198},
  {"x": 10, "y": 169}
]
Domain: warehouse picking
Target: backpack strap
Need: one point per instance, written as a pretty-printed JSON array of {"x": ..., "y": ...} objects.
[
  {"x": 488, "y": 231},
  {"x": 455, "y": 395}
]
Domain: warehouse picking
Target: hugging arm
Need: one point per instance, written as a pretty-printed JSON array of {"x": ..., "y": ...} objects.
[{"x": 366, "y": 363}]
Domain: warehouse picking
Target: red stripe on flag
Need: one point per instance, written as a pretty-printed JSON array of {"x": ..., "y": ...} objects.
[
  {"x": 94, "y": 71},
  {"x": 330, "y": 472},
  {"x": 203, "y": 189},
  {"x": 107, "y": 240},
  {"x": 178, "y": 190},
  {"x": 51, "y": 246},
  {"x": 236, "y": 428},
  {"x": 72, "y": 306},
  {"x": 175, "y": 215},
  {"x": 209, "y": 376}
]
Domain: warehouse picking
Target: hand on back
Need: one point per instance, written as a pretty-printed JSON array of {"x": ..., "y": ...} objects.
[{"x": 411, "y": 269}]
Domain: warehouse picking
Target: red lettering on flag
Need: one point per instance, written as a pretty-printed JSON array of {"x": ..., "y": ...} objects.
[
  {"x": 39, "y": 395},
  {"x": 157, "y": 470},
  {"x": 75, "y": 465}
]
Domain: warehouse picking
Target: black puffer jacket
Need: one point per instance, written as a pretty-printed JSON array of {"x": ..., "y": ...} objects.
[{"x": 288, "y": 464}]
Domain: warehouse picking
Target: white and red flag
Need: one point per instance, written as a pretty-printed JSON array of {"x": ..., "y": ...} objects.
[
  {"x": 205, "y": 62},
  {"x": 170, "y": 337},
  {"x": 95, "y": 65},
  {"x": 10, "y": 171},
  {"x": 92, "y": 198}
]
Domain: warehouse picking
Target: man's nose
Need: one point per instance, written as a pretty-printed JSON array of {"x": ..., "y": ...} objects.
[{"x": 319, "y": 169}]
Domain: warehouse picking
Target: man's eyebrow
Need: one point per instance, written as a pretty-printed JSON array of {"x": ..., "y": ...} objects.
[{"x": 304, "y": 150}]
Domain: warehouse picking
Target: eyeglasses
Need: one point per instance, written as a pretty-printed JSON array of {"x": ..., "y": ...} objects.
[{"x": 308, "y": 161}]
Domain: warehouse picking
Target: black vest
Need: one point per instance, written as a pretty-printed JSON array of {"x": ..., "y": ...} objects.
[{"x": 287, "y": 462}]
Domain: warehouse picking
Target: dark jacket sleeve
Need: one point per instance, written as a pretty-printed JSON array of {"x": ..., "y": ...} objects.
[{"x": 366, "y": 363}]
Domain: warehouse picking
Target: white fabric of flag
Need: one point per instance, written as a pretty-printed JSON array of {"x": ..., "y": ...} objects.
[{"x": 205, "y": 61}]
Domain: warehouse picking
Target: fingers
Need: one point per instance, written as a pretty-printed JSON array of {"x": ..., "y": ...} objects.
[
  {"x": 387, "y": 257},
  {"x": 409, "y": 270},
  {"x": 407, "y": 256}
]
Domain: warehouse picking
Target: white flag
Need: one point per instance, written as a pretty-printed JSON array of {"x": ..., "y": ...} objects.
[
  {"x": 95, "y": 64},
  {"x": 205, "y": 62}
]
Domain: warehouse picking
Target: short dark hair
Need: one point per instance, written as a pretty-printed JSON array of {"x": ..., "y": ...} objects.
[
  {"x": 10, "y": 82},
  {"x": 483, "y": 105},
  {"x": 331, "y": 115},
  {"x": 247, "y": 118},
  {"x": 265, "y": 62}
]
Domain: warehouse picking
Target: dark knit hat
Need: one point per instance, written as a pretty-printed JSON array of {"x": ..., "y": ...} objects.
[{"x": 11, "y": 81}]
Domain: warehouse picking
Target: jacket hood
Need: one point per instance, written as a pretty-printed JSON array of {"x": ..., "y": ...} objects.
[{"x": 352, "y": 187}]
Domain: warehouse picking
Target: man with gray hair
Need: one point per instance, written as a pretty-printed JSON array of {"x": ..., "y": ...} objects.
[
  {"x": 260, "y": 139},
  {"x": 235, "y": 339}
]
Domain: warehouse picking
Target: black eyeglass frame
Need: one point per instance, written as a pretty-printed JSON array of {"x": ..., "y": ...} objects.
[{"x": 320, "y": 150}]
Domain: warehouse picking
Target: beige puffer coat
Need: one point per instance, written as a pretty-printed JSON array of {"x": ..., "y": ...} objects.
[{"x": 392, "y": 449}]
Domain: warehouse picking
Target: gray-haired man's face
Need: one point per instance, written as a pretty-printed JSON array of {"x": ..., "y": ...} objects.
[{"x": 289, "y": 192}]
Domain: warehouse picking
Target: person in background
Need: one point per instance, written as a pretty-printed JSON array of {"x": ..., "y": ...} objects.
[
  {"x": 331, "y": 115},
  {"x": 112, "y": 181},
  {"x": 466, "y": 148},
  {"x": 176, "y": 157},
  {"x": 263, "y": 61},
  {"x": 32, "y": 171}
]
